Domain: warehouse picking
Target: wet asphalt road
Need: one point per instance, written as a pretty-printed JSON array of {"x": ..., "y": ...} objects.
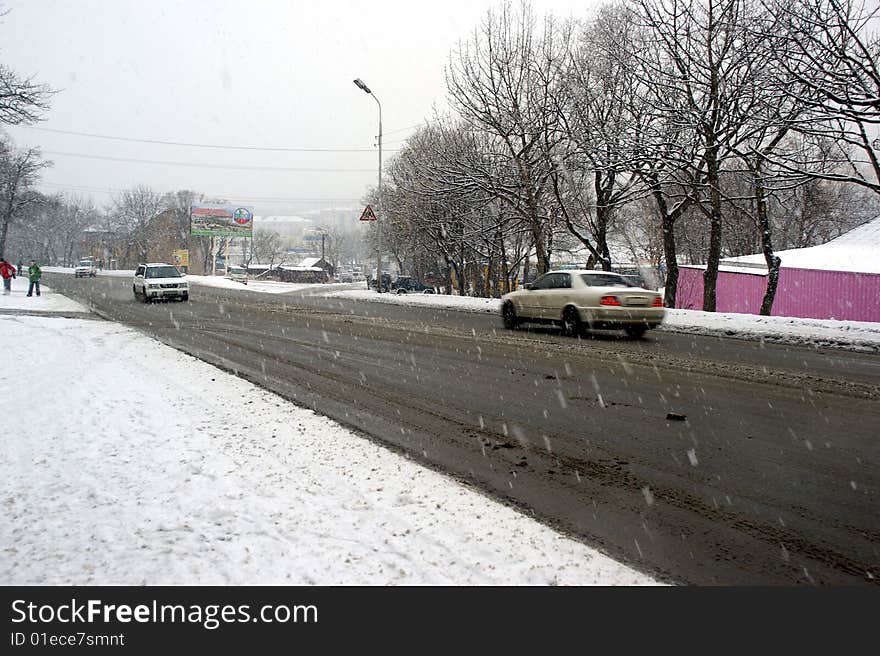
[{"x": 701, "y": 460}]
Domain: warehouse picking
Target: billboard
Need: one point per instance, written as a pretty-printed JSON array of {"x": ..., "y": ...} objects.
[
  {"x": 222, "y": 220},
  {"x": 180, "y": 257}
]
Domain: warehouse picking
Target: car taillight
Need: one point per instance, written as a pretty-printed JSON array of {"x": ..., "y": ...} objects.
[
  {"x": 609, "y": 300},
  {"x": 658, "y": 302}
]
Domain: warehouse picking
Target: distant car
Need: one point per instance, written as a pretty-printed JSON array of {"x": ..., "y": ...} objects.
[
  {"x": 159, "y": 280},
  {"x": 408, "y": 284},
  {"x": 582, "y": 299},
  {"x": 85, "y": 268},
  {"x": 345, "y": 276},
  {"x": 238, "y": 274}
]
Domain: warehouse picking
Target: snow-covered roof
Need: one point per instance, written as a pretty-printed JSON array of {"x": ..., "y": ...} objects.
[
  {"x": 750, "y": 269},
  {"x": 857, "y": 251},
  {"x": 310, "y": 262},
  {"x": 300, "y": 268}
]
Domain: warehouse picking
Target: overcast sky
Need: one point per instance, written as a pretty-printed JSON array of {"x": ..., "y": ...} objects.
[{"x": 266, "y": 73}]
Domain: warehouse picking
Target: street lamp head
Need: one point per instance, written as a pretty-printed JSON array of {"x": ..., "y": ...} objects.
[{"x": 360, "y": 83}]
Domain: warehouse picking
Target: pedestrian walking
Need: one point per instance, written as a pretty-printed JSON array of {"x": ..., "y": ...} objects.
[
  {"x": 34, "y": 273},
  {"x": 7, "y": 271},
  {"x": 20, "y": 267}
]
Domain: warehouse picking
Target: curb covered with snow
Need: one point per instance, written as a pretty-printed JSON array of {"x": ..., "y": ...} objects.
[
  {"x": 820, "y": 333},
  {"x": 853, "y": 335}
]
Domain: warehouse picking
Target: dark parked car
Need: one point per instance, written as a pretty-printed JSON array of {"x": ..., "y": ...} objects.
[
  {"x": 386, "y": 282},
  {"x": 408, "y": 284}
]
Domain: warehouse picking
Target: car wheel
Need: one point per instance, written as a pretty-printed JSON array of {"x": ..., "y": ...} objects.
[
  {"x": 184, "y": 298},
  {"x": 146, "y": 296},
  {"x": 635, "y": 332},
  {"x": 571, "y": 322},
  {"x": 135, "y": 292},
  {"x": 508, "y": 316},
  {"x": 401, "y": 291},
  {"x": 428, "y": 291}
]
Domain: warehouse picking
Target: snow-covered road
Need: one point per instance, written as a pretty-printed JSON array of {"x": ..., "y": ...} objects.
[{"x": 127, "y": 462}]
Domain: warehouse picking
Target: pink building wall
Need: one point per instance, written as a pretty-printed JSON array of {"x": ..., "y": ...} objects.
[{"x": 806, "y": 293}]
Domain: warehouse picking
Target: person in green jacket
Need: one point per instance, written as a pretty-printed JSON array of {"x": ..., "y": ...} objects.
[{"x": 34, "y": 273}]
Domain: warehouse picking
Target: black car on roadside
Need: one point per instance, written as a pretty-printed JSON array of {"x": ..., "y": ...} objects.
[{"x": 409, "y": 285}]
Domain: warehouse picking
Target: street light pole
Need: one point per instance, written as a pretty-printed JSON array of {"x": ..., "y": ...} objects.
[{"x": 360, "y": 84}]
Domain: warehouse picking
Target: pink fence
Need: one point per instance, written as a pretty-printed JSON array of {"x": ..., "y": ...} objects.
[{"x": 807, "y": 293}]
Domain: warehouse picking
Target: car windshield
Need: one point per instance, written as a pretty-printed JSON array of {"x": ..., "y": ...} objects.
[
  {"x": 163, "y": 272},
  {"x": 605, "y": 280}
]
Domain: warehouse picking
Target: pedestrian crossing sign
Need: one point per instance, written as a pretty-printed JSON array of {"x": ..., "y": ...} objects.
[{"x": 368, "y": 214}]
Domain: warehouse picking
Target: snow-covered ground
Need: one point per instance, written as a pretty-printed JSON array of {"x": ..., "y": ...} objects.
[
  {"x": 133, "y": 464},
  {"x": 47, "y": 301}
]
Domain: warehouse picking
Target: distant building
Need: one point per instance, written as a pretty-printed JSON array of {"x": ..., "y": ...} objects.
[
  {"x": 302, "y": 274},
  {"x": 320, "y": 263}
]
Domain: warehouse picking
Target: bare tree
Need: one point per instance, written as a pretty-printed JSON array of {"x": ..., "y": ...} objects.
[
  {"x": 503, "y": 82},
  {"x": 73, "y": 216},
  {"x": 21, "y": 99},
  {"x": 832, "y": 53},
  {"x": 134, "y": 209},
  {"x": 711, "y": 62},
  {"x": 267, "y": 247},
  {"x": 600, "y": 118},
  {"x": 19, "y": 170}
]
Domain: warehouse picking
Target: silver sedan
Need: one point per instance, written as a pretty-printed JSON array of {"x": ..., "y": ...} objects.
[{"x": 578, "y": 299}]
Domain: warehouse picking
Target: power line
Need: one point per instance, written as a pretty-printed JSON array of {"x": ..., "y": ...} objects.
[
  {"x": 214, "y": 146},
  {"x": 259, "y": 199},
  {"x": 417, "y": 125},
  {"x": 206, "y": 166}
]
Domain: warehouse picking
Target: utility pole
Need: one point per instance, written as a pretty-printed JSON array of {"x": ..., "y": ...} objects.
[{"x": 360, "y": 84}]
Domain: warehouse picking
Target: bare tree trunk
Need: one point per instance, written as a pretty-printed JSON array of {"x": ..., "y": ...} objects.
[
  {"x": 667, "y": 225},
  {"x": 710, "y": 276},
  {"x": 773, "y": 260},
  {"x": 4, "y": 229},
  {"x": 669, "y": 252}
]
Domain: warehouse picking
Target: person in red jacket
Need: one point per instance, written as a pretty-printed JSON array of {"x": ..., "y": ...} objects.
[{"x": 8, "y": 273}]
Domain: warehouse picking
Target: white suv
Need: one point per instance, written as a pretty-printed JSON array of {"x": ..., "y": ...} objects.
[
  {"x": 86, "y": 267},
  {"x": 159, "y": 280}
]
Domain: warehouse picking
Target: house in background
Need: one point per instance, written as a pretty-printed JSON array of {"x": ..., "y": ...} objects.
[
  {"x": 320, "y": 263},
  {"x": 302, "y": 274},
  {"x": 837, "y": 280}
]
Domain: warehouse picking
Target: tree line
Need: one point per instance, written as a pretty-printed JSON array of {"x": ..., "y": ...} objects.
[
  {"x": 658, "y": 131},
  {"x": 652, "y": 131}
]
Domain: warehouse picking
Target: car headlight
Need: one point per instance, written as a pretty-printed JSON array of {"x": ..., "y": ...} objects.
[
  {"x": 152, "y": 286},
  {"x": 182, "y": 285}
]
